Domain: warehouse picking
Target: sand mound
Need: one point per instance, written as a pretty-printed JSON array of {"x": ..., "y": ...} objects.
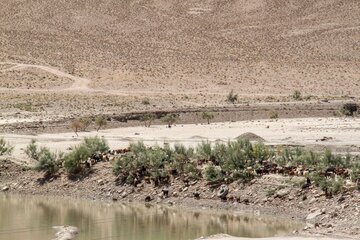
[{"x": 251, "y": 137}]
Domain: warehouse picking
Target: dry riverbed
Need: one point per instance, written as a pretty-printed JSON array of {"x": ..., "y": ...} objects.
[
  {"x": 333, "y": 217},
  {"x": 339, "y": 134}
]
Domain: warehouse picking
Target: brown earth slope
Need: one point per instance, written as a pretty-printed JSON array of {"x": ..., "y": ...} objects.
[{"x": 263, "y": 47}]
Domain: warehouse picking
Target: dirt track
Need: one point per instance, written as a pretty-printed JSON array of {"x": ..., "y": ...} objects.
[{"x": 80, "y": 84}]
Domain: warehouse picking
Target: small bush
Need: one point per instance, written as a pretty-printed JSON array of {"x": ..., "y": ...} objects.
[
  {"x": 297, "y": 95},
  {"x": 349, "y": 109},
  {"x": 148, "y": 118},
  {"x": 96, "y": 144},
  {"x": 213, "y": 175},
  {"x": 46, "y": 161},
  {"x": 73, "y": 160},
  {"x": 32, "y": 150},
  {"x": 89, "y": 146},
  {"x": 77, "y": 125},
  {"x": 274, "y": 115},
  {"x": 100, "y": 121},
  {"x": 207, "y": 116},
  {"x": 232, "y": 97},
  {"x": 5, "y": 147},
  {"x": 170, "y": 119},
  {"x": 145, "y": 101}
]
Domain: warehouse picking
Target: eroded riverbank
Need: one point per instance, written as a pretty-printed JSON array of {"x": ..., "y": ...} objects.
[{"x": 338, "y": 216}]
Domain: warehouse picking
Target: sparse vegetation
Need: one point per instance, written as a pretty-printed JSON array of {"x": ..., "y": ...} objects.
[
  {"x": 5, "y": 147},
  {"x": 235, "y": 161},
  {"x": 208, "y": 116},
  {"x": 85, "y": 123},
  {"x": 170, "y": 119},
  {"x": 350, "y": 109},
  {"x": 274, "y": 115},
  {"x": 100, "y": 121},
  {"x": 145, "y": 101},
  {"x": 73, "y": 161},
  {"x": 297, "y": 95},
  {"x": 148, "y": 118},
  {"x": 232, "y": 97},
  {"x": 46, "y": 161},
  {"x": 76, "y": 125}
]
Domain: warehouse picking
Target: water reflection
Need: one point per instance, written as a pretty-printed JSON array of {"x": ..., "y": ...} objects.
[{"x": 32, "y": 218}]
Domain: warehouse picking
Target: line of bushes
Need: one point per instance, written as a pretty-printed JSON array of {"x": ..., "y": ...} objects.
[
  {"x": 73, "y": 162},
  {"x": 234, "y": 161},
  {"x": 216, "y": 163}
]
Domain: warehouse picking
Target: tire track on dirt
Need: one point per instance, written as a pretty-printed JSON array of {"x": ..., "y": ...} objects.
[{"x": 79, "y": 84}]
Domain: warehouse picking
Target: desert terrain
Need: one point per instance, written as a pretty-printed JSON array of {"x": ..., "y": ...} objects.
[
  {"x": 291, "y": 65},
  {"x": 186, "y": 53}
]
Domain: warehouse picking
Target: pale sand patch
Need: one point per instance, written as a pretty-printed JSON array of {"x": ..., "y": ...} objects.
[
  {"x": 301, "y": 131},
  {"x": 227, "y": 237}
]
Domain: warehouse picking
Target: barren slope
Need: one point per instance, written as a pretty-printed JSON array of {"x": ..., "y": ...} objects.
[{"x": 264, "y": 47}]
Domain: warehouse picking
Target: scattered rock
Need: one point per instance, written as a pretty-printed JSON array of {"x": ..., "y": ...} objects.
[
  {"x": 196, "y": 195},
  {"x": 148, "y": 199},
  {"x": 5, "y": 188},
  {"x": 124, "y": 194},
  {"x": 165, "y": 192},
  {"x": 65, "y": 232},
  {"x": 314, "y": 214},
  {"x": 282, "y": 193},
  {"x": 341, "y": 198},
  {"x": 223, "y": 192}
]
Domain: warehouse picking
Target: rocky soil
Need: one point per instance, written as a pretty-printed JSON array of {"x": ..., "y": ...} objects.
[{"x": 270, "y": 195}]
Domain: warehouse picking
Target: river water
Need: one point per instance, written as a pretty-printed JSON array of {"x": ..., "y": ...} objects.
[{"x": 32, "y": 218}]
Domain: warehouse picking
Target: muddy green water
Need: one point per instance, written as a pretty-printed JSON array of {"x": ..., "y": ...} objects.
[{"x": 32, "y": 218}]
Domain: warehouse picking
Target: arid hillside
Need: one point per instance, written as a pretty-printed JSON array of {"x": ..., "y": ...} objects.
[{"x": 256, "y": 47}]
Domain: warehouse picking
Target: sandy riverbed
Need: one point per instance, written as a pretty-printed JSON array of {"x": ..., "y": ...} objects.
[
  {"x": 227, "y": 237},
  {"x": 340, "y": 133}
]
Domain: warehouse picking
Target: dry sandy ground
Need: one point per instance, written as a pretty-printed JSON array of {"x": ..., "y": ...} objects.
[
  {"x": 196, "y": 47},
  {"x": 343, "y": 134},
  {"x": 226, "y": 237}
]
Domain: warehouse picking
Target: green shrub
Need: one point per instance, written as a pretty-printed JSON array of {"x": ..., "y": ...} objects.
[
  {"x": 297, "y": 95},
  {"x": 329, "y": 185},
  {"x": 213, "y": 175},
  {"x": 32, "y": 150},
  {"x": 46, "y": 161},
  {"x": 73, "y": 160},
  {"x": 273, "y": 115},
  {"x": 204, "y": 151},
  {"x": 89, "y": 147},
  {"x": 170, "y": 119},
  {"x": 96, "y": 144},
  {"x": 5, "y": 147},
  {"x": 234, "y": 161}
]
